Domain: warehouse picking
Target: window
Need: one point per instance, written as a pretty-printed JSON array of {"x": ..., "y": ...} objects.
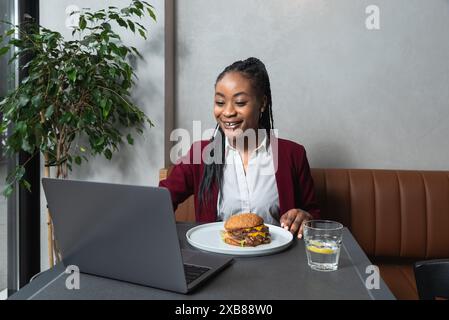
[
  {"x": 19, "y": 214},
  {"x": 7, "y": 13}
]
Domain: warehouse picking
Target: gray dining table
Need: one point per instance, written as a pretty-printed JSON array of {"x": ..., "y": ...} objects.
[{"x": 284, "y": 275}]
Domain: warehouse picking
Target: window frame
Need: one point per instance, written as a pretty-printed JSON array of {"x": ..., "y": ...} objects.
[{"x": 23, "y": 216}]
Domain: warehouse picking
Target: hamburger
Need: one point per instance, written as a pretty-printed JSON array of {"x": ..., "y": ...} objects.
[{"x": 245, "y": 230}]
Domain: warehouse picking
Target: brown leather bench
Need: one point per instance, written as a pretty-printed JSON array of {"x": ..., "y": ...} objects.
[{"x": 397, "y": 216}]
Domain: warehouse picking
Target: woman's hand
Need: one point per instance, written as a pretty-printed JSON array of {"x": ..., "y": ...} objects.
[{"x": 294, "y": 219}]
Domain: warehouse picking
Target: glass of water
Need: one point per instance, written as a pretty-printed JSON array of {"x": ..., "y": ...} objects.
[{"x": 323, "y": 240}]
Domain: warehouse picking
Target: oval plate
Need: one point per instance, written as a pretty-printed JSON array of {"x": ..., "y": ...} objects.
[{"x": 207, "y": 237}]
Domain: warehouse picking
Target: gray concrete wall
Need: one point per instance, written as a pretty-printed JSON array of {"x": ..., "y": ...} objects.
[
  {"x": 6, "y": 80},
  {"x": 138, "y": 164},
  {"x": 355, "y": 98}
]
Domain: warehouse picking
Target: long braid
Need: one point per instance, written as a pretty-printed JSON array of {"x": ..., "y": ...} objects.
[{"x": 253, "y": 69}]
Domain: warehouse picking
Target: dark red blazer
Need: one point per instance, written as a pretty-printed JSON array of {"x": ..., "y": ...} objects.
[{"x": 293, "y": 179}]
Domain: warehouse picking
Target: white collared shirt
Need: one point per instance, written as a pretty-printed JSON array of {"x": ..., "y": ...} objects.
[{"x": 256, "y": 191}]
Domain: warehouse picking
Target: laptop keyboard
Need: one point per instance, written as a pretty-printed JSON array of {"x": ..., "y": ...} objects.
[{"x": 193, "y": 272}]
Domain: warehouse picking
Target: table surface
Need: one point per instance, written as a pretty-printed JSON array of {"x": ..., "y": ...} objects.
[{"x": 285, "y": 275}]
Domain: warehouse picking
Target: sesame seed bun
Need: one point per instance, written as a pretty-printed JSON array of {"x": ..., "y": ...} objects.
[{"x": 243, "y": 220}]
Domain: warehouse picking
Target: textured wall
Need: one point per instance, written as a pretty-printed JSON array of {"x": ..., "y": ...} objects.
[
  {"x": 138, "y": 164},
  {"x": 355, "y": 98}
]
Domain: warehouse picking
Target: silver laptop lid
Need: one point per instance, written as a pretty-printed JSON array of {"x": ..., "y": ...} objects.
[{"x": 117, "y": 231}]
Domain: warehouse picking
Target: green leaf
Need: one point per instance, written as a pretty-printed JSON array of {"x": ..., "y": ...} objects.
[
  {"x": 132, "y": 26},
  {"x": 3, "y": 128},
  {"x": 10, "y": 32},
  {"x": 123, "y": 51},
  {"x": 108, "y": 154},
  {"x": 82, "y": 149},
  {"x": 99, "y": 142},
  {"x": 106, "y": 107},
  {"x": 21, "y": 127},
  {"x": 36, "y": 100},
  {"x": 137, "y": 12},
  {"x": 71, "y": 74},
  {"x": 49, "y": 111},
  {"x": 134, "y": 49},
  {"x": 114, "y": 16},
  {"x": 142, "y": 33},
  {"x": 82, "y": 23},
  {"x": 78, "y": 160},
  {"x": 141, "y": 26},
  {"x": 149, "y": 5},
  {"x": 66, "y": 117},
  {"x": 122, "y": 23},
  {"x": 103, "y": 103},
  {"x": 16, "y": 42},
  {"x": 151, "y": 13},
  {"x": 106, "y": 26},
  {"x": 3, "y": 50},
  {"x": 26, "y": 185},
  {"x": 8, "y": 191},
  {"x": 130, "y": 139},
  {"x": 138, "y": 4},
  {"x": 20, "y": 172}
]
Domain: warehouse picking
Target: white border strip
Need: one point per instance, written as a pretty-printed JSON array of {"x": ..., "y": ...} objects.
[{"x": 4, "y": 294}]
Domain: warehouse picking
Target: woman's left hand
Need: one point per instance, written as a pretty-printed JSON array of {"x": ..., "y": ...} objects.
[{"x": 294, "y": 219}]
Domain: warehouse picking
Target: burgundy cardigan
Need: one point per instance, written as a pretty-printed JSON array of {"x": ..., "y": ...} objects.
[{"x": 293, "y": 179}]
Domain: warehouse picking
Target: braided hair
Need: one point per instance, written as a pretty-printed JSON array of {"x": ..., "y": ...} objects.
[{"x": 254, "y": 70}]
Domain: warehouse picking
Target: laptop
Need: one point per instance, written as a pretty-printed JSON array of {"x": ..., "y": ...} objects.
[{"x": 126, "y": 233}]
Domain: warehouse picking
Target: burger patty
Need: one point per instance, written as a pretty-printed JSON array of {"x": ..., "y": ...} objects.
[
  {"x": 250, "y": 240},
  {"x": 244, "y": 232},
  {"x": 247, "y": 236}
]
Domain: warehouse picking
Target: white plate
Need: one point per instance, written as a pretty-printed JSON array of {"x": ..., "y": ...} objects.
[{"x": 207, "y": 237}]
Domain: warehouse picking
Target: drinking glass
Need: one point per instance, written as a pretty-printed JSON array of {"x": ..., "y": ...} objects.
[{"x": 323, "y": 241}]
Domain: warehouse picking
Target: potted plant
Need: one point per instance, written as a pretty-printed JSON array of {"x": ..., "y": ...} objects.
[{"x": 76, "y": 99}]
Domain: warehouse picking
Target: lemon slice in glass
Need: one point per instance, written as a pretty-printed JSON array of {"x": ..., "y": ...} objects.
[{"x": 321, "y": 250}]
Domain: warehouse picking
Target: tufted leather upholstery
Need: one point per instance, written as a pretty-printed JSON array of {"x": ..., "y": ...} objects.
[
  {"x": 402, "y": 214},
  {"x": 396, "y": 216}
]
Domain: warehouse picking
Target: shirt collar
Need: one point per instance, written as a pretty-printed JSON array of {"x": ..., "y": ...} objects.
[{"x": 262, "y": 147}]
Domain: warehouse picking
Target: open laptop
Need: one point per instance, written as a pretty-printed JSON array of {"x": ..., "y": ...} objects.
[{"x": 126, "y": 233}]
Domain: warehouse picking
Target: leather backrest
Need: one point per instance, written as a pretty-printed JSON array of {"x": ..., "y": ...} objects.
[{"x": 391, "y": 213}]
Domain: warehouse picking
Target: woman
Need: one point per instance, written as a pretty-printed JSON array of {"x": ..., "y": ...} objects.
[{"x": 233, "y": 177}]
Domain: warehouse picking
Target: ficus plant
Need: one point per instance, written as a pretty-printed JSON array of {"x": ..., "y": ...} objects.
[{"x": 76, "y": 100}]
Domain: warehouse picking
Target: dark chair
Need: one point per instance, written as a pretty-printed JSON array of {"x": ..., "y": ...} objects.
[{"x": 432, "y": 279}]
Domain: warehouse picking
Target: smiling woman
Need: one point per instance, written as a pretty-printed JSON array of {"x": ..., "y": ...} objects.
[{"x": 248, "y": 169}]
